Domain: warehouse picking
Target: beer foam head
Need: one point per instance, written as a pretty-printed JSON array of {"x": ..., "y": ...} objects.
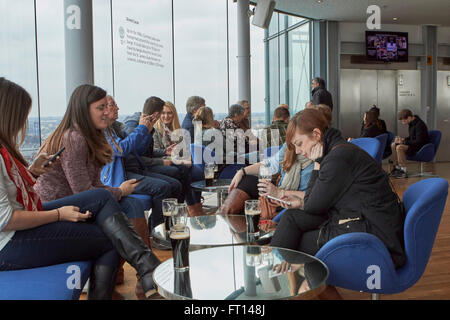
[
  {"x": 252, "y": 212},
  {"x": 180, "y": 234}
]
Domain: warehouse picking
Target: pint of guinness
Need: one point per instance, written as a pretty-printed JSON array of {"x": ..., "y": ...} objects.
[
  {"x": 252, "y": 216},
  {"x": 209, "y": 174},
  {"x": 180, "y": 248}
]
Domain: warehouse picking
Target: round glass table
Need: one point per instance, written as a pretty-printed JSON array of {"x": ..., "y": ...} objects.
[
  {"x": 243, "y": 273},
  {"x": 214, "y": 230},
  {"x": 219, "y": 186}
]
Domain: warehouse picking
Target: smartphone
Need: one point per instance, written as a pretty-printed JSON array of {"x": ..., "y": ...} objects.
[
  {"x": 139, "y": 179},
  {"x": 282, "y": 201},
  {"x": 54, "y": 157}
]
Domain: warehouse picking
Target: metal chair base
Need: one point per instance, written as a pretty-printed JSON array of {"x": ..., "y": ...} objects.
[{"x": 422, "y": 173}]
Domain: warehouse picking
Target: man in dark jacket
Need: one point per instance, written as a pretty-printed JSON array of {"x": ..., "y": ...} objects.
[
  {"x": 401, "y": 147},
  {"x": 192, "y": 105},
  {"x": 320, "y": 95}
]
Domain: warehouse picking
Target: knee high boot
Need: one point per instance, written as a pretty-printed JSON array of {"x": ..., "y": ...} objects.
[
  {"x": 132, "y": 248},
  {"x": 140, "y": 224},
  {"x": 234, "y": 203},
  {"x": 101, "y": 282}
]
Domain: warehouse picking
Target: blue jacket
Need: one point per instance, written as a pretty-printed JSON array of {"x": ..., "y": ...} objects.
[
  {"x": 188, "y": 125},
  {"x": 133, "y": 144}
]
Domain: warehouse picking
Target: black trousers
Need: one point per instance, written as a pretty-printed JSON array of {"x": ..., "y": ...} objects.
[{"x": 299, "y": 231}]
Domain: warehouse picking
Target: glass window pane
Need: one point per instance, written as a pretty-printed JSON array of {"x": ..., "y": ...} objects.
[
  {"x": 273, "y": 26},
  {"x": 299, "y": 68},
  {"x": 18, "y": 59},
  {"x": 294, "y": 20},
  {"x": 103, "y": 64},
  {"x": 200, "y": 43},
  {"x": 142, "y": 44},
  {"x": 52, "y": 78},
  {"x": 274, "y": 76}
]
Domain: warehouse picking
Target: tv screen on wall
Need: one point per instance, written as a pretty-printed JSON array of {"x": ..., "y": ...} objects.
[{"x": 387, "y": 46}]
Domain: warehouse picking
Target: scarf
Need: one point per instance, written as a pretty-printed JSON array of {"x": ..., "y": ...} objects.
[
  {"x": 166, "y": 136},
  {"x": 23, "y": 180},
  {"x": 291, "y": 179}
]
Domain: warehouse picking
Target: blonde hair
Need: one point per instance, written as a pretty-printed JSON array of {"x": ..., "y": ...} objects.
[
  {"x": 206, "y": 116},
  {"x": 159, "y": 125}
]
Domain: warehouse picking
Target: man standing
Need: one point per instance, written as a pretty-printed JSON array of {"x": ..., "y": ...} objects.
[
  {"x": 418, "y": 137},
  {"x": 192, "y": 105},
  {"x": 320, "y": 95}
]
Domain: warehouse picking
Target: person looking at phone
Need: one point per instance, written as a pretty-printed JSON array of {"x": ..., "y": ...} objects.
[
  {"x": 87, "y": 226},
  {"x": 347, "y": 192},
  {"x": 157, "y": 163},
  {"x": 81, "y": 131},
  {"x": 295, "y": 173}
]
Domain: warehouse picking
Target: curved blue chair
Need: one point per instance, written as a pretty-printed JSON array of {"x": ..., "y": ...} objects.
[
  {"x": 59, "y": 282},
  {"x": 427, "y": 153},
  {"x": 357, "y": 260},
  {"x": 382, "y": 138},
  {"x": 145, "y": 199},
  {"x": 388, "y": 150},
  {"x": 370, "y": 145}
]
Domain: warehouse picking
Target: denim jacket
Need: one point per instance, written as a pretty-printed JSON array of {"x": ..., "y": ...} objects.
[{"x": 133, "y": 144}]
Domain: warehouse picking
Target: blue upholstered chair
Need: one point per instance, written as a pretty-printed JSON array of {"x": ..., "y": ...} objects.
[
  {"x": 357, "y": 260},
  {"x": 57, "y": 282},
  {"x": 382, "y": 138},
  {"x": 388, "y": 150},
  {"x": 427, "y": 153},
  {"x": 370, "y": 145}
]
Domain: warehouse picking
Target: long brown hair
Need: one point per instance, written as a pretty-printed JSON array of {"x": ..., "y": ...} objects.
[
  {"x": 77, "y": 117},
  {"x": 304, "y": 121},
  {"x": 372, "y": 119},
  {"x": 15, "y": 105},
  {"x": 206, "y": 116}
]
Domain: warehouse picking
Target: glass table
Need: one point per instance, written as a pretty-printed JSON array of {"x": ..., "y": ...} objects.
[
  {"x": 242, "y": 273},
  {"x": 219, "y": 186},
  {"x": 214, "y": 230}
]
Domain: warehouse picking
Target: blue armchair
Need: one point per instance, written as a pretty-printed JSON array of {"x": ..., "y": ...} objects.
[
  {"x": 382, "y": 138},
  {"x": 58, "y": 282},
  {"x": 388, "y": 150},
  {"x": 427, "y": 153},
  {"x": 361, "y": 262},
  {"x": 370, "y": 145}
]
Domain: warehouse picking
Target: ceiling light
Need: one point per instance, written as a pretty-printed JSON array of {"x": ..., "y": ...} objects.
[
  {"x": 395, "y": 19},
  {"x": 319, "y": 1}
]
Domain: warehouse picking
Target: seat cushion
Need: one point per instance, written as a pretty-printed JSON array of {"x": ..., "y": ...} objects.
[{"x": 58, "y": 282}]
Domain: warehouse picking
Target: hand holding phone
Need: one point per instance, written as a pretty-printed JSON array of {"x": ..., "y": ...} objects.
[
  {"x": 279, "y": 200},
  {"x": 53, "y": 158},
  {"x": 139, "y": 179}
]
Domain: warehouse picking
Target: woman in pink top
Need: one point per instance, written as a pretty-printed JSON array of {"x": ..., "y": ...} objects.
[
  {"x": 81, "y": 132},
  {"x": 85, "y": 226}
]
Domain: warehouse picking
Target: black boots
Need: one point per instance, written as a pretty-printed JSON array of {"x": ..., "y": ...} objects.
[
  {"x": 132, "y": 248},
  {"x": 101, "y": 282}
]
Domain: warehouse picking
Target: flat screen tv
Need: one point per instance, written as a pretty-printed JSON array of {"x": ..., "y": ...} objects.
[{"x": 387, "y": 46}]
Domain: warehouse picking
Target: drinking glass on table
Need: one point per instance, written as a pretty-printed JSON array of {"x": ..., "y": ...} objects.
[
  {"x": 180, "y": 216},
  {"x": 168, "y": 206},
  {"x": 209, "y": 174},
  {"x": 264, "y": 174},
  {"x": 180, "y": 239},
  {"x": 252, "y": 216}
]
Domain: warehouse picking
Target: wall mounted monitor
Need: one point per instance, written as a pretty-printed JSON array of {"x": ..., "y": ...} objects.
[{"x": 387, "y": 46}]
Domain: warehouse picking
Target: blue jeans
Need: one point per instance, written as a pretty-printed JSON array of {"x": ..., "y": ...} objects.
[
  {"x": 62, "y": 242},
  {"x": 159, "y": 189},
  {"x": 132, "y": 207}
]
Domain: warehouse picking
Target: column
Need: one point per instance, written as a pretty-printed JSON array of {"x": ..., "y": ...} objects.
[
  {"x": 429, "y": 76},
  {"x": 78, "y": 39},
  {"x": 243, "y": 30}
]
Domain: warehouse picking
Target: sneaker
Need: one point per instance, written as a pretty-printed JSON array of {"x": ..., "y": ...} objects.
[{"x": 395, "y": 172}]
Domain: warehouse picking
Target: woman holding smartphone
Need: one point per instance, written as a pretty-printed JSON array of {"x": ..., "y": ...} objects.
[
  {"x": 347, "y": 192},
  {"x": 85, "y": 226},
  {"x": 81, "y": 131}
]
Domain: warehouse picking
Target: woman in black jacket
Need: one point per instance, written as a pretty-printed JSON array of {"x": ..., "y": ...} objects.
[{"x": 347, "y": 192}]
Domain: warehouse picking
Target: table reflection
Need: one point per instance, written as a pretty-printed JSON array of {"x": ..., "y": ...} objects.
[{"x": 228, "y": 273}]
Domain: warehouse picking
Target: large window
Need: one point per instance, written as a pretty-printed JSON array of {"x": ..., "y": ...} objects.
[
  {"x": 18, "y": 60},
  {"x": 167, "y": 48},
  {"x": 288, "y": 64}
]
